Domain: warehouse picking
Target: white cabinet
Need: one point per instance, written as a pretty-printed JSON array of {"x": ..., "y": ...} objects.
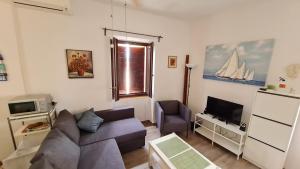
[
  {"x": 270, "y": 132},
  {"x": 282, "y": 108},
  {"x": 262, "y": 155},
  {"x": 271, "y": 128},
  {"x": 212, "y": 128}
]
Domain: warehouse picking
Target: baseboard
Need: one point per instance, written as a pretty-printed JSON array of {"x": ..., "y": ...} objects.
[{"x": 148, "y": 123}]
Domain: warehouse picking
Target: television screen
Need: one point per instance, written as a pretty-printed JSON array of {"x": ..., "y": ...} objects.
[{"x": 224, "y": 110}]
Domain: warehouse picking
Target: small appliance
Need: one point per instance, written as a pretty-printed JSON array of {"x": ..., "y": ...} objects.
[
  {"x": 30, "y": 104},
  {"x": 243, "y": 127}
]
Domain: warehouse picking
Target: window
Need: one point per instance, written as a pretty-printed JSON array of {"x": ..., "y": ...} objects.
[{"x": 131, "y": 69}]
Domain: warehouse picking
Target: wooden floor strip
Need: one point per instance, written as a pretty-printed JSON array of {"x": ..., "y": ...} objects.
[{"x": 217, "y": 154}]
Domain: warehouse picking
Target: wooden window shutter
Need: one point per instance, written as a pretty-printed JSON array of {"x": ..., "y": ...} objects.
[
  {"x": 114, "y": 69},
  {"x": 149, "y": 69}
]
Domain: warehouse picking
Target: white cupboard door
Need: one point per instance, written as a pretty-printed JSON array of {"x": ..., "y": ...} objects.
[
  {"x": 263, "y": 155},
  {"x": 270, "y": 132},
  {"x": 278, "y": 108}
]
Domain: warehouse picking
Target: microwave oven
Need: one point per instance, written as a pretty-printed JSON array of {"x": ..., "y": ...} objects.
[{"x": 30, "y": 104}]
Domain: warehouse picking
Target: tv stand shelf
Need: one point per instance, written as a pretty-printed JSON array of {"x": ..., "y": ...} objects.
[{"x": 219, "y": 132}]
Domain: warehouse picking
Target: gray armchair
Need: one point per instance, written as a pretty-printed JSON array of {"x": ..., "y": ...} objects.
[{"x": 172, "y": 116}]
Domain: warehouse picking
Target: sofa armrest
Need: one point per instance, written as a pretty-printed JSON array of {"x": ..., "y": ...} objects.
[
  {"x": 185, "y": 113},
  {"x": 116, "y": 114},
  {"x": 159, "y": 113}
]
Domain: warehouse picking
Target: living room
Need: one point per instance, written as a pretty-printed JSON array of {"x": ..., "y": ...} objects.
[{"x": 34, "y": 43}]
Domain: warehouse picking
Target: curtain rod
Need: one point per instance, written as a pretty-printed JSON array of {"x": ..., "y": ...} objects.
[{"x": 114, "y": 30}]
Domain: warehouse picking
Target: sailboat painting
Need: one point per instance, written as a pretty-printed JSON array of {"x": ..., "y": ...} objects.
[{"x": 245, "y": 62}]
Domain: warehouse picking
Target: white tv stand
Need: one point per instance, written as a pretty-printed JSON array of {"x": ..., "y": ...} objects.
[{"x": 228, "y": 136}]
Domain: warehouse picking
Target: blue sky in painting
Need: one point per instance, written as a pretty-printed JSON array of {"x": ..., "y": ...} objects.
[{"x": 256, "y": 55}]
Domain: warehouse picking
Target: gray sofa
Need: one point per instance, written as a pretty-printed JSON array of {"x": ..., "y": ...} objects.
[{"x": 68, "y": 147}]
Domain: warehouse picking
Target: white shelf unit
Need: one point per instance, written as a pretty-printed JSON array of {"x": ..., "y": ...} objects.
[
  {"x": 20, "y": 159},
  {"x": 272, "y": 124},
  {"x": 20, "y": 132},
  {"x": 49, "y": 116},
  {"x": 218, "y": 132}
]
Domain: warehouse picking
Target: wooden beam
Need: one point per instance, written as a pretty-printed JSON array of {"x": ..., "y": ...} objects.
[{"x": 185, "y": 82}]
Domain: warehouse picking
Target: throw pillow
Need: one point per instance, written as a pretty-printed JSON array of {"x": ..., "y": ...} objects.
[
  {"x": 89, "y": 122},
  {"x": 79, "y": 115}
]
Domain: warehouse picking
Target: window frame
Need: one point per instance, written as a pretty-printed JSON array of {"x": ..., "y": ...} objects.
[{"x": 115, "y": 69}]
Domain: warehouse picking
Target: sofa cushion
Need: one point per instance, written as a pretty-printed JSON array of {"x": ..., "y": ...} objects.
[
  {"x": 174, "y": 123},
  {"x": 41, "y": 163},
  {"x": 89, "y": 122},
  {"x": 66, "y": 123},
  {"x": 169, "y": 106},
  {"x": 116, "y": 114},
  {"x": 101, "y": 155},
  {"x": 122, "y": 130},
  {"x": 59, "y": 150}
]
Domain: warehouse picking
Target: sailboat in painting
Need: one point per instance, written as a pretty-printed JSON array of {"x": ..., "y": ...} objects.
[
  {"x": 231, "y": 69},
  {"x": 243, "y": 62}
]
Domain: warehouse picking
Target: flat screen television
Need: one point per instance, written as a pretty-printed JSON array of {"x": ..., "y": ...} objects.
[{"x": 224, "y": 110}]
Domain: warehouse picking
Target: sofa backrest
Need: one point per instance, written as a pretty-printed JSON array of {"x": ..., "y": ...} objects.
[
  {"x": 116, "y": 114},
  {"x": 67, "y": 124},
  {"x": 170, "y": 107},
  {"x": 58, "y": 151}
]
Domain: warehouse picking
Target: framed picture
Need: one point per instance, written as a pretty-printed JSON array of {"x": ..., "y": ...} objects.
[
  {"x": 172, "y": 62},
  {"x": 3, "y": 74},
  {"x": 244, "y": 62},
  {"x": 80, "y": 63}
]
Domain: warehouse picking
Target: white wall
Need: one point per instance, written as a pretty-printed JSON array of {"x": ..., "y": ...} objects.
[
  {"x": 14, "y": 85},
  {"x": 44, "y": 37},
  {"x": 276, "y": 19},
  {"x": 9, "y": 50}
]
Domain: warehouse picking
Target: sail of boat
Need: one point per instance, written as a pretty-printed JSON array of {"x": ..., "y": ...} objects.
[
  {"x": 223, "y": 69},
  {"x": 232, "y": 70},
  {"x": 233, "y": 64},
  {"x": 246, "y": 74},
  {"x": 250, "y": 76},
  {"x": 230, "y": 67},
  {"x": 239, "y": 74},
  {"x": 222, "y": 74}
]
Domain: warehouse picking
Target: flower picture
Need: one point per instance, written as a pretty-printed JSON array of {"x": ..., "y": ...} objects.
[{"x": 80, "y": 63}]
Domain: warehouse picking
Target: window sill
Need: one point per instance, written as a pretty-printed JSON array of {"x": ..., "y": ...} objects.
[{"x": 123, "y": 96}]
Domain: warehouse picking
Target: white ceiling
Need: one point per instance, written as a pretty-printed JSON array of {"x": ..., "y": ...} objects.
[{"x": 185, "y": 9}]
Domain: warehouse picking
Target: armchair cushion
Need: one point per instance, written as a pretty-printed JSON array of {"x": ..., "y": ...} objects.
[
  {"x": 174, "y": 123},
  {"x": 170, "y": 107}
]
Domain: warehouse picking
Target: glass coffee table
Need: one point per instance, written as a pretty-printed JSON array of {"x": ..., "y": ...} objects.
[{"x": 174, "y": 153}]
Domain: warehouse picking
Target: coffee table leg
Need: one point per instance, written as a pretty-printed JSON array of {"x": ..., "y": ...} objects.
[{"x": 149, "y": 156}]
